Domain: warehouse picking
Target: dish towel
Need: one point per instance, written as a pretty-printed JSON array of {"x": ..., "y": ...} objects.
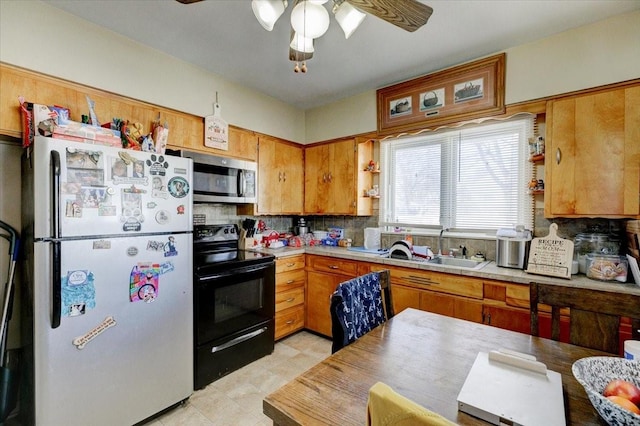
[
  {"x": 357, "y": 306},
  {"x": 388, "y": 408}
]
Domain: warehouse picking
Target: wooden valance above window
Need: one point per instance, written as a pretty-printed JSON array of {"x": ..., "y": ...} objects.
[{"x": 464, "y": 92}]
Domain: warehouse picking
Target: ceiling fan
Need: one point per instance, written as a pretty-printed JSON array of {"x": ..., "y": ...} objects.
[{"x": 310, "y": 19}]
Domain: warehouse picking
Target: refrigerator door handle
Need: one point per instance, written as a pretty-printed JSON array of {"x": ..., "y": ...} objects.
[
  {"x": 56, "y": 285},
  {"x": 56, "y": 290},
  {"x": 55, "y": 194}
]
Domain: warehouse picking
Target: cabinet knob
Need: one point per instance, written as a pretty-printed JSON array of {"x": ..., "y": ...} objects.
[{"x": 558, "y": 156}]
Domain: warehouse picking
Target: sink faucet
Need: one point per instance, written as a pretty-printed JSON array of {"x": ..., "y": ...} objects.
[{"x": 440, "y": 241}]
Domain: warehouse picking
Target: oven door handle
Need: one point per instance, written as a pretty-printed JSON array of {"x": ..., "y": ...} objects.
[
  {"x": 232, "y": 272},
  {"x": 238, "y": 340}
]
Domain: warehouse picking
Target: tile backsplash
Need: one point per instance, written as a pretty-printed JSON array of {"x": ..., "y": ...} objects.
[{"x": 354, "y": 228}]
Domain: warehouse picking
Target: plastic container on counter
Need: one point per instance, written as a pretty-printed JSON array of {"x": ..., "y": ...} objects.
[
  {"x": 605, "y": 267},
  {"x": 593, "y": 243}
]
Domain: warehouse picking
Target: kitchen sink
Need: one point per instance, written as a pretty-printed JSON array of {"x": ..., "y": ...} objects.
[{"x": 457, "y": 262}]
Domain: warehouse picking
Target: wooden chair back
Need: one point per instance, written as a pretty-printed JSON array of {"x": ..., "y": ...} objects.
[
  {"x": 340, "y": 335},
  {"x": 594, "y": 320}
]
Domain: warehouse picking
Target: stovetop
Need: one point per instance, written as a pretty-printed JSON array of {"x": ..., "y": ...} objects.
[{"x": 216, "y": 249}]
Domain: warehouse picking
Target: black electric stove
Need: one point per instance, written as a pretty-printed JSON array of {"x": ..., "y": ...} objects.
[{"x": 234, "y": 303}]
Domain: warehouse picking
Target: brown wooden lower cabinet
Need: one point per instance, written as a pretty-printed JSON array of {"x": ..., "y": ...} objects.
[
  {"x": 320, "y": 286},
  {"x": 290, "y": 295},
  {"x": 514, "y": 319}
]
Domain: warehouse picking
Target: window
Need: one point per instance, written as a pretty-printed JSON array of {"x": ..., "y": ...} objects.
[{"x": 468, "y": 179}]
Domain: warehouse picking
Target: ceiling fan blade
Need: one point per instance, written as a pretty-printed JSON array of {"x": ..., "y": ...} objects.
[
  {"x": 188, "y": 1},
  {"x": 406, "y": 14}
]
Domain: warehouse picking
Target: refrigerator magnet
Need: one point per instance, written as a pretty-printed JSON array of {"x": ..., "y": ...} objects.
[
  {"x": 180, "y": 209},
  {"x": 78, "y": 292},
  {"x": 144, "y": 282},
  {"x": 157, "y": 165},
  {"x": 178, "y": 187},
  {"x": 170, "y": 247},
  {"x": 163, "y": 217}
]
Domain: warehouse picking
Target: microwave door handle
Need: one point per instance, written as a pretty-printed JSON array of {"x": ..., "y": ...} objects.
[{"x": 242, "y": 183}]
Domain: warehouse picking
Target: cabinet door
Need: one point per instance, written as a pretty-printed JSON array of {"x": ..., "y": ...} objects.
[
  {"x": 513, "y": 319},
  {"x": 316, "y": 159},
  {"x": 290, "y": 165},
  {"x": 342, "y": 177},
  {"x": 280, "y": 177},
  {"x": 592, "y": 155},
  {"x": 452, "y": 306},
  {"x": 268, "y": 188},
  {"x": 320, "y": 286},
  {"x": 404, "y": 297}
]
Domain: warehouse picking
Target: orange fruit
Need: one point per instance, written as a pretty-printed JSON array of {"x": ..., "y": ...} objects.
[{"x": 624, "y": 403}]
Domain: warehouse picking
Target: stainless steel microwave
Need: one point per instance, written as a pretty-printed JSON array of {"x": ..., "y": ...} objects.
[{"x": 221, "y": 179}]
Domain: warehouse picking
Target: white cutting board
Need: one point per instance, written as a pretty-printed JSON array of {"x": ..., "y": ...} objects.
[{"x": 518, "y": 392}]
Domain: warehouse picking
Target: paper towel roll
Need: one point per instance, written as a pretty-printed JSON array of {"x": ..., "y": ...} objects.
[
  {"x": 632, "y": 349},
  {"x": 372, "y": 238}
]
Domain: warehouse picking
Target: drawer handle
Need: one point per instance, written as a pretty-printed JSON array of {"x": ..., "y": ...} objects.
[
  {"x": 289, "y": 265},
  {"x": 290, "y": 281},
  {"x": 558, "y": 156},
  {"x": 334, "y": 267},
  {"x": 421, "y": 280},
  {"x": 290, "y": 322},
  {"x": 291, "y": 299}
]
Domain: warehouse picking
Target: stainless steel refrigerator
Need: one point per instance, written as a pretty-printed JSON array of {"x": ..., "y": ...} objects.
[{"x": 108, "y": 271}]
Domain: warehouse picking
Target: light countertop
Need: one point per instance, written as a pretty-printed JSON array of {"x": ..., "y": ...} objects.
[{"x": 489, "y": 271}]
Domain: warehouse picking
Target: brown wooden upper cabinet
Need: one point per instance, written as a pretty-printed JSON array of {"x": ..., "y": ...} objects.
[
  {"x": 592, "y": 165},
  {"x": 280, "y": 177},
  {"x": 333, "y": 183}
]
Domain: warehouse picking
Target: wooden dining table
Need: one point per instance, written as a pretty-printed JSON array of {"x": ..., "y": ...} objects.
[{"x": 426, "y": 357}]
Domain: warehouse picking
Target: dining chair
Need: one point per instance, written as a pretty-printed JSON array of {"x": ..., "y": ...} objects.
[
  {"x": 386, "y": 407},
  {"x": 594, "y": 315},
  {"x": 358, "y": 306}
]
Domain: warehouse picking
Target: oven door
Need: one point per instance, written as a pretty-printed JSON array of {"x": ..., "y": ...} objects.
[{"x": 233, "y": 300}]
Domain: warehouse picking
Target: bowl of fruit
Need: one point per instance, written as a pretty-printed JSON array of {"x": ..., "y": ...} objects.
[{"x": 613, "y": 387}]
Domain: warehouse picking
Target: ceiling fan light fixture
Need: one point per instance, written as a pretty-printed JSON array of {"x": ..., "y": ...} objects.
[
  {"x": 310, "y": 19},
  {"x": 267, "y": 12},
  {"x": 349, "y": 18},
  {"x": 301, "y": 43}
]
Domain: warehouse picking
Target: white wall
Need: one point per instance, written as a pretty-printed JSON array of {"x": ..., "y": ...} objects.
[
  {"x": 39, "y": 37},
  {"x": 593, "y": 55}
]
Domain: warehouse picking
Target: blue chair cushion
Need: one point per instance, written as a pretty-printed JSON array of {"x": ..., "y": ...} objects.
[{"x": 356, "y": 308}]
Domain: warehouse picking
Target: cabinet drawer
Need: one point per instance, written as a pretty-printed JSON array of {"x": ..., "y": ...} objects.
[
  {"x": 290, "y": 279},
  {"x": 289, "y": 298},
  {"x": 290, "y": 263},
  {"x": 435, "y": 281},
  {"x": 334, "y": 265},
  {"x": 288, "y": 321}
]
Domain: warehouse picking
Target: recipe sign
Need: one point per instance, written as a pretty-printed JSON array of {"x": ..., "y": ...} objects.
[{"x": 551, "y": 255}]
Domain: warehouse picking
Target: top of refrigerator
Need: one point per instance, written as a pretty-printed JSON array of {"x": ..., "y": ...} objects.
[{"x": 86, "y": 190}]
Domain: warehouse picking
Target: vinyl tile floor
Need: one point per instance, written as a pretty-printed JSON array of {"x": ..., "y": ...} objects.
[{"x": 236, "y": 399}]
